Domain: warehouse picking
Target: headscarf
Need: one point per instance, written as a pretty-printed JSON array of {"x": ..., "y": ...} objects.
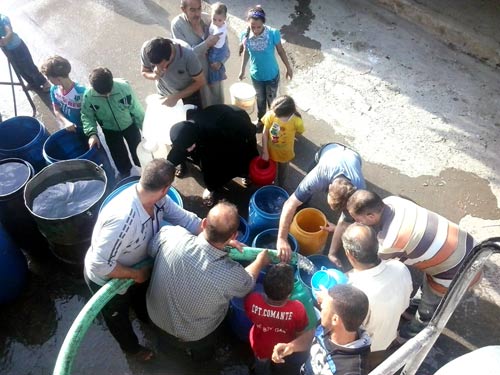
[{"x": 183, "y": 135}]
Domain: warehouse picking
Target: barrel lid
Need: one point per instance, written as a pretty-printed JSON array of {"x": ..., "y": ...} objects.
[{"x": 14, "y": 174}]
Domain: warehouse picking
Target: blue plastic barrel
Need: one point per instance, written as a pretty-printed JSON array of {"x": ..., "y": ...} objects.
[
  {"x": 14, "y": 216},
  {"x": 172, "y": 193},
  {"x": 66, "y": 145},
  {"x": 319, "y": 261},
  {"x": 238, "y": 319},
  {"x": 265, "y": 208},
  {"x": 267, "y": 240},
  {"x": 243, "y": 231},
  {"x": 23, "y": 137},
  {"x": 13, "y": 268}
]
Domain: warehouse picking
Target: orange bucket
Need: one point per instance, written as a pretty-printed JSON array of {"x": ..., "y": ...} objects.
[{"x": 306, "y": 229}]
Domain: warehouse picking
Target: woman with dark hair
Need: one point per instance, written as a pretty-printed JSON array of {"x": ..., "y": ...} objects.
[
  {"x": 220, "y": 139},
  {"x": 258, "y": 44}
]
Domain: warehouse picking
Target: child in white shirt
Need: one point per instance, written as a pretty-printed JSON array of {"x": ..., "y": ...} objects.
[{"x": 219, "y": 53}]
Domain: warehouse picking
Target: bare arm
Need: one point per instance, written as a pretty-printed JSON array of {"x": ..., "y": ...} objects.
[
  {"x": 300, "y": 344},
  {"x": 243, "y": 64},
  {"x": 289, "y": 209},
  {"x": 68, "y": 125},
  {"x": 256, "y": 266},
  {"x": 336, "y": 244},
  {"x": 122, "y": 272},
  {"x": 265, "y": 140},
  {"x": 149, "y": 73},
  {"x": 284, "y": 58},
  {"x": 198, "y": 82}
]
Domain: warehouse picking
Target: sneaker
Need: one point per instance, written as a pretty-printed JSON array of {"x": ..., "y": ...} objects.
[{"x": 208, "y": 198}]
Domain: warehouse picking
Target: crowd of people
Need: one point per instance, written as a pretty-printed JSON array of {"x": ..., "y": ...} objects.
[{"x": 186, "y": 293}]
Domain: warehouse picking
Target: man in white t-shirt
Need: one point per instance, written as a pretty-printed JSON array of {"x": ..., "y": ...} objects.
[{"x": 387, "y": 284}]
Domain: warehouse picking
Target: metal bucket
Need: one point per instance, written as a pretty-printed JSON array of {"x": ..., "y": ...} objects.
[{"x": 69, "y": 237}]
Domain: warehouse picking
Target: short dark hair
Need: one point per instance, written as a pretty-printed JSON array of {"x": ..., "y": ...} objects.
[
  {"x": 222, "y": 222},
  {"x": 363, "y": 202},
  {"x": 56, "y": 66},
  {"x": 157, "y": 174},
  {"x": 101, "y": 80},
  {"x": 278, "y": 281},
  {"x": 360, "y": 241},
  {"x": 158, "y": 49},
  {"x": 350, "y": 304},
  {"x": 219, "y": 8}
]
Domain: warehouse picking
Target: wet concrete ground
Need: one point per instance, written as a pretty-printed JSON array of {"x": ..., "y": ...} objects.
[{"x": 32, "y": 329}]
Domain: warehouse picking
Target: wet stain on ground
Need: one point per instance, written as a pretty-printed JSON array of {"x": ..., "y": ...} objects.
[{"x": 307, "y": 51}]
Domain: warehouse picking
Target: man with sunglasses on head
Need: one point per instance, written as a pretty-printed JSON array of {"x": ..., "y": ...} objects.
[{"x": 175, "y": 68}]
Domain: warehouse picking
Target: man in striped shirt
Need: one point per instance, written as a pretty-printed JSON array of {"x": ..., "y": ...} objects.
[{"x": 419, "y": 238}]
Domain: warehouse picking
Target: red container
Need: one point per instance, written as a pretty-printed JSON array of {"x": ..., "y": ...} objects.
[{"x": 262, "y": 172}]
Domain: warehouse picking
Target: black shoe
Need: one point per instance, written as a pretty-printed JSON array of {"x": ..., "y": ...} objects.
[{"x": 180, "y": 171}]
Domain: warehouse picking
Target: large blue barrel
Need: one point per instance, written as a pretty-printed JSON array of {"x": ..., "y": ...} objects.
[
  {"x": 14, "y": 216},
  {"x": 66, "y": 145},
  {"x": 267, "y": 240},
  {"x": 265, "y": 208},
  {"x": 68, "y": 236},
  {"x": 23, "y": 137},
  {"x": 238, "y": 319},
  {"x": 243, "y": 231},
  {"x": 13, "y": 268},
  {"x": 172, "y": 193}
]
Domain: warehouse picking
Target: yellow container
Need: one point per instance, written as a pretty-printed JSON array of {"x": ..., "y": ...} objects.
[
  {"x": 306, "y": 230},
  {"x": 243, "y": 96}
]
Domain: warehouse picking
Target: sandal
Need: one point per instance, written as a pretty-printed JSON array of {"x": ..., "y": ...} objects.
[
  {"x": 246, "y": 182},
  {"x": 208, "y": 198},
  {"x": 180, "y": 171},
  {"x": 143, "y": 355}
]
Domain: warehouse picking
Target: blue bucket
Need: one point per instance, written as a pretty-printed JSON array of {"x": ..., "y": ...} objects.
[
  {"x": 13, "y": 268},
  {"x": 15, "y": 217},
  {"x": 172, "y": 193},
  {"x": 326, "y": 278},
  {"x": 319, "y": 261},
  {"x": 265, "y": 208},
  {"x": 243, "y": 231},
  {"x": 23, "y": 137},
  {"x": 66, "y": 145},
  {"x": 238, "y": 319}
]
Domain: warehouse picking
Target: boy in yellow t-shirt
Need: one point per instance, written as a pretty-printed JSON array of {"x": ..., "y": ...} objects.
[{"x": 281, "y": 124}]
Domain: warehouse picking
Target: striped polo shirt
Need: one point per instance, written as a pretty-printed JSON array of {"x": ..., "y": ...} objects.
[{"x": 424, "y": 240}]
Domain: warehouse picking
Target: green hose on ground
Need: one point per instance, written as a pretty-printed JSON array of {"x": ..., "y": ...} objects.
[{"x": 82, "y": 322}]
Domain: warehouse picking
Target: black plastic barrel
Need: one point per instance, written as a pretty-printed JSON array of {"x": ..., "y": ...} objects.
[
  {"x": 23, "y": 137},
  {"x": 15, "y": 217},
  {"x": 69, "y": 237}
]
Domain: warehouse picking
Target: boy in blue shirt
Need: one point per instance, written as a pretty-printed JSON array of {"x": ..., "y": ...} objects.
[
  {"x": 66, "y": 95},
  {"x": 20, "y": 57}
]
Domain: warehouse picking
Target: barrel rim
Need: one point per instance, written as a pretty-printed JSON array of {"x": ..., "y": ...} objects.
[
  {"x": 54, "y": 136},
  {"x": 41, "y": 130},
  {"x": 269, "y": 230},
  {"x": 21, "y": 187},
  {"x": 54, "y": 165},
  {"x": 259, "y": 191}
]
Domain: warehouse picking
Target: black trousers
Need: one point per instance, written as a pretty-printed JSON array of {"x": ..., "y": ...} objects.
[
  {"x": 116, "y": 314},
  {"x": 114, "y": 139}
]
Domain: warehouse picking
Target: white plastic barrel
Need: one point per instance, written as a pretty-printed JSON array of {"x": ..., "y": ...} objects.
[{"x": 243, "y": 96}]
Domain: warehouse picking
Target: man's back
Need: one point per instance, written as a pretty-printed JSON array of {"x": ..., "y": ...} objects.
[
  {"x": 388, "y": 287},
  {"x": 191, "y": 284},
  {"x": 423, "y": 239}
]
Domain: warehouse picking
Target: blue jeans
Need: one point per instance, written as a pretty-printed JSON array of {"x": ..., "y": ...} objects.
[
  {"x": 266, "y": 93},
  {"x": 21, "y": 60}
]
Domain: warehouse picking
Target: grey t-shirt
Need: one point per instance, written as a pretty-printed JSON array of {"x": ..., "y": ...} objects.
[
  {"x": 336, "y": 160},
  {"x": 180, "y": 72}
]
